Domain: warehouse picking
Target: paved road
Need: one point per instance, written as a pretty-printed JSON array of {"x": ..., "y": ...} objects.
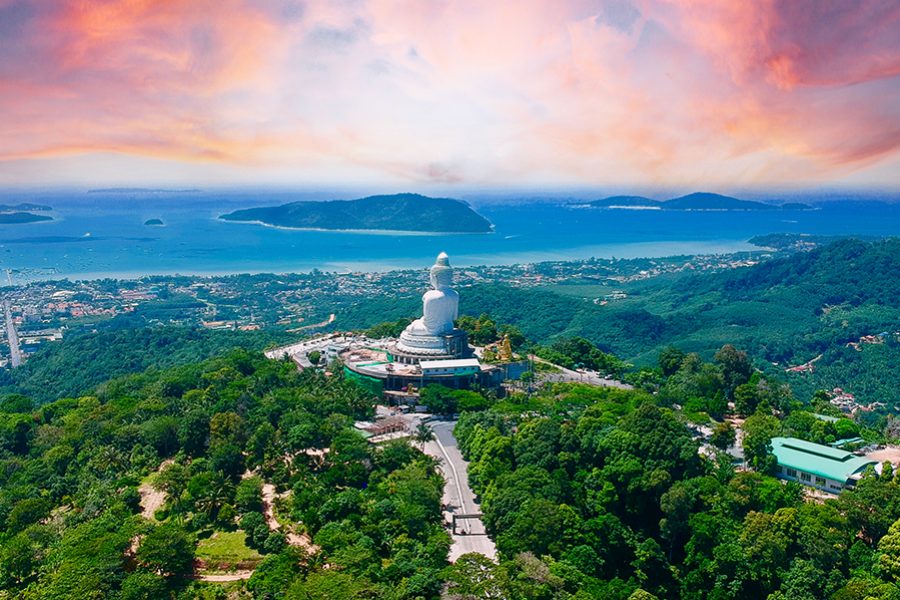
[
  {"x": 15, "y": 354},
  {"x": 583, "y": 376},
  {"x": 458, "y": 496}
]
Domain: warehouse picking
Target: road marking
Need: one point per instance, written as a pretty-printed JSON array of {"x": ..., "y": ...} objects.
[{"x": 462, "y": 500}]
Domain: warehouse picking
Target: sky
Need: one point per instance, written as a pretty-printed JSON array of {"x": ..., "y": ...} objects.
[{"x": 694, "y": 94}]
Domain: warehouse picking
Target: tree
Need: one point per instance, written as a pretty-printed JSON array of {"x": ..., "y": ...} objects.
[
  {"x": 424, "y": 434},
  {"x": 172, "y": 479},
  {"x": 166, "y": 549},
  {"x": 26, "y": 512},
  {"x": 670, "y": 359},
  {"x": 209, "y": 492},
  {"x": 888, "y": 559},
  {"x": 746, "y": 399},
  {"x": 19, "y": 558},
  {"x": 193, "y": 432},
  {"x": 228, "y": 459},
  {"x": 332, "y": 585},
  {"x": 314, "y": 357},
  {"x": 474, "y": 575},
  {"x": 254, "y": 524},
  {"x": 439, "y": 399},
  {"x": 226, "y": 428},
  {"x": 735, "y": 365},
  {"x": 723, "y": 435},
  {"x": 248, "y": 495},
  {"x": 640, "y": 594},
  {"x": 142, "y": 585},
  {"x": 275, "y": 574},
  {"x": 758, "y": 433}
]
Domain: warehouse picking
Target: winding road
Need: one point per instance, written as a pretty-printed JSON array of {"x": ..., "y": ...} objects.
[{"x": 458, "y": 496}]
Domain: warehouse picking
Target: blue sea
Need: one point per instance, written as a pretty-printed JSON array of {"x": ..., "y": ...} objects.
[{"x": 98, "y": 235}]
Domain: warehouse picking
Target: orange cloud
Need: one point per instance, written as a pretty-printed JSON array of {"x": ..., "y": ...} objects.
[{"x": 669, "y": 92}]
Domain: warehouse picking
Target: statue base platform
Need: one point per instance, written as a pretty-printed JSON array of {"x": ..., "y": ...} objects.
[{"x": 412, "y": 348}]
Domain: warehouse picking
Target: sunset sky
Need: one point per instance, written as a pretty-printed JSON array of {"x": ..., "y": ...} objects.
[{"x": 705, "y": 94}]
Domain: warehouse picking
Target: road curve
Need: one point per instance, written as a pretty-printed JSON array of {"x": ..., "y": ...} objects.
[{"x": 458, "y": 496}]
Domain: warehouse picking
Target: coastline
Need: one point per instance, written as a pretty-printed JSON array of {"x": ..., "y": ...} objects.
[
  {"x": 630, "y": 250},
  {"x": 358, "y": 231}
]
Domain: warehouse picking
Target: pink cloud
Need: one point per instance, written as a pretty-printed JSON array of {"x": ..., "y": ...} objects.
[{"x": 673, "y": 92}]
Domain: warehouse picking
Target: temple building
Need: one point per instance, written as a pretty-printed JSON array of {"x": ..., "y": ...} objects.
[{"x": 430, "y": 350}]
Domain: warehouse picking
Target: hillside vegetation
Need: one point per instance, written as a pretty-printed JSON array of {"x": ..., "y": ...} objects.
[
  {"x": 786, "y": 311},
  {"x": 588, "y": 493}
]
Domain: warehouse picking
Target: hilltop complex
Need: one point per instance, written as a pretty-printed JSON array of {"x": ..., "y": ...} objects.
[{"x": 431, "y": 349}]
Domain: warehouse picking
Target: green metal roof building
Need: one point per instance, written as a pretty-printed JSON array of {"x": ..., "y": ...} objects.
[{"x": 819, "y": 466}]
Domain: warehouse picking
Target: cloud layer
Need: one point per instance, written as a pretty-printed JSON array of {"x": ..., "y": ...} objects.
[{"x": 641, "y": 93}]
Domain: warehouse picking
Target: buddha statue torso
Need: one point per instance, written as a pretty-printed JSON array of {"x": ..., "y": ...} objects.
[{"x": 440, "y": 308}]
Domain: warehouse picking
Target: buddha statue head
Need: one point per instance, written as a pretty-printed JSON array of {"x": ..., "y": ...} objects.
[{"x": 441, "y": 273}]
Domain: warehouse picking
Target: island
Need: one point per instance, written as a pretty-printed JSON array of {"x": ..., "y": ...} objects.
[
  {"x": 695, "y": 201},
  {"x": 140, "y": 190},
  {"x": 630, "y": 202},
  {"x": 154, "y": 223},
  {"x": 394, "y": 212},
  {"x": 25, "y": 206},
  {"x": 18, "y": 217}
]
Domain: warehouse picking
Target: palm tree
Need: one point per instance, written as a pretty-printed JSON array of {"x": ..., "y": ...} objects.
[{"x": 423, "y": 434}]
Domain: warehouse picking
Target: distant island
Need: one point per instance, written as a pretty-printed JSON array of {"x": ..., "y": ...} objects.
[
  {"x": 394, "y": 212},
  {"x": 154, "y": 223},
  {"x": 138, "y": 190},
  {"x": 25, "y": 206},
  {"x": 15, "y": 218},
  {"x": 695, "y": 201}
]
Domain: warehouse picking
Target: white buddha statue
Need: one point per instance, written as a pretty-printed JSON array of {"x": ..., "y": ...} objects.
[{"x": 440, "y": 307}]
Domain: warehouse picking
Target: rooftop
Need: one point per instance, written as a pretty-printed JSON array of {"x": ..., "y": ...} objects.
[{"x": 831, "y": 463}]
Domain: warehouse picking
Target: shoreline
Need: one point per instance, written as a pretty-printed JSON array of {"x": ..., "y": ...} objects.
[
  {"x": 630, "y": 251},
  {"x": 356, "y": 231}
]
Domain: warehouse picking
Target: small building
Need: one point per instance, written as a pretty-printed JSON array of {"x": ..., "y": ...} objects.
[
  {"x": 458, "y": 366},
  {"x": 822, "y": 467}
]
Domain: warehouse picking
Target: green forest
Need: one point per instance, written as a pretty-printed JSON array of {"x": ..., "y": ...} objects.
[
  {"x": 160, "y": 462},
  {"x": 588, "y": 492},
  {"x": 73, "y": 470},
  {"x": 783, "y": 312}
]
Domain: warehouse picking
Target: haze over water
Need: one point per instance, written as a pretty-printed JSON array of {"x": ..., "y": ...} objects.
[{"x": 103, "y": 235}]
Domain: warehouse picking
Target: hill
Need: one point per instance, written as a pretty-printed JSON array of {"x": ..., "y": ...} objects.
[
  {"x": 626, "y": 202},
  {"x": 708, "y": 201},
  {"x": 695, "y": 201},
  {"x": 395, "y": 212},
  {"x": 785, "y": 311},
  {"x": 79, "y": 363}
]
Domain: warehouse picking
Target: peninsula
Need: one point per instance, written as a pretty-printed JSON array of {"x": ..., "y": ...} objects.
[
  {"x": 695, "y": 201},
  {"x": 15, "y": 218},
  {"x": 395, "y": 212}
]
